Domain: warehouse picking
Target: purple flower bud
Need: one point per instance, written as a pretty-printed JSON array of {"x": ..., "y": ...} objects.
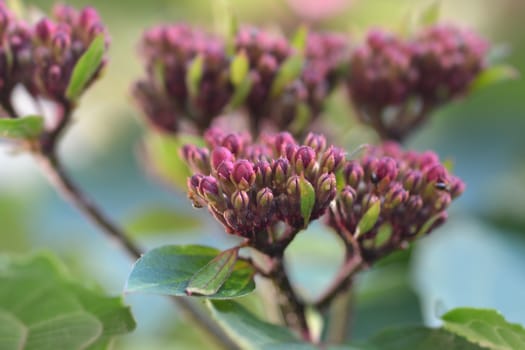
[
  {"x": 209, "y": 189},
  {"x": 87, "y": 17},
  {"x": 348, "y": 196},
  {"x": 385, "y": 170},
  {"x": 316, "y": 141},
  {"x": 293, "y": 189},
  {"x": 281, "y": 171},
  {"x": 304, "y": 159},
  {"x": 243, "y": 174},
  {"x": 197, "y": 158},
  {"x": 45, "y": 29},
  {"x": 219, "y": 155},
  {"x": 435, "y": 173},
  {"x": 326, "y": 188},
  {"x": 414, "y": 203},
  {"x": 240, "y": 201},
  {"x": 395, "y": 196},
  {"x": 353, "y": 173},
  {"x": 332, "y": 159},
  {"x": 412, "y": 181},
  {"x": 263, "y": 174},
  {"x": 457, "y": 187},
  {"x": 368, "y": 201},
  {"x": 264, "y": 200},
  {"x": 234, "y": 143},
  {"x": 281, "y": 141}
]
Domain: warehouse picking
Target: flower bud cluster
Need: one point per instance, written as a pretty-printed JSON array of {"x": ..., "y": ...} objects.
[
  {"x": 396, "y": 83},
  {"x": 164, "y": 95},
  {"x": 169, "y": 53},
  {"x": 256, "y": 189},
  {"x": 413, "y": 191},
  {"x": 42, "y": 56}
]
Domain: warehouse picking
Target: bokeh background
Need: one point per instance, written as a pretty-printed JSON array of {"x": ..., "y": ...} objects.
[{"x": 477, "y": 259}]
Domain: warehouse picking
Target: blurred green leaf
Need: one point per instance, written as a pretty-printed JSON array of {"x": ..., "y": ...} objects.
[
  {"x": 41, "y": 308},
  {"x": 209, "y": 279},
  {"x": 86, "y": 67},
  {"x": 156, "y": 220},
  {"x": 163, "y": 157},
  {"x": 194, "y": 75},
  {"x": 307, "y": 193},
  {"x": 368, "y": 220},
  {"x": 383, "y": 234},
  {"x": 487, "y": 328},
  {"x": 430, "y": 14},
  {"x": 493, "y": 75},
  {"x": 168, "y": 270},
  {"x": 289, "y": 71},
  {"x": 239, "y": 68},
  {"x": 300, "y": 38},
  {"x": 418, "y": 338},
  {"x": 21, "y": 128},
  {"x": 248, "y": 331},
  {"x": 241, "y": 92}
]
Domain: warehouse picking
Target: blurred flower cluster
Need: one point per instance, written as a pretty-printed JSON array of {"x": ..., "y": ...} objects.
[
  {"x": 41, "y": 57},
  {"x": 193, "y": 77},
  {"x": 396, "y": 83},
  {"x": 403, "y": 196},
  {"x": 267, "y": 191}
]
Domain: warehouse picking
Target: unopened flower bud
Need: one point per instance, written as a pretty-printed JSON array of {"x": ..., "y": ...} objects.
[
  {"x": 243, "y": 175},
  {"x": 263, "y": 174},
  {"x": 414, "y": 203},
  {"x": 281, "y": 168},
  {"x": 316, "y": 141},
  {"x": 219, "y": 155},
  {"x": 442, "y": 201},
  {"x": 368, "y": 201},
  {"x": 240, "y": 201},
  {"x": 395, "y": 196},
  {"x": 326, "y": 188},
  {"x": 353, "y": 173},
  {"x": 332, "y": 159},
  {"x": 293, "y": 189},
  {"x": 348, "y": 196},
  {"x": 45, "y": 30},
  {"x": 435, "y": 173},
  {"x": 264, "y": 200},
  {"x": 209, "y": 189},
  {"x": 385, "y": 171},
  {"x": 197, "y": 158},
  {"x": 304, "y": 159},
  {"x": 412, "y": 181}
]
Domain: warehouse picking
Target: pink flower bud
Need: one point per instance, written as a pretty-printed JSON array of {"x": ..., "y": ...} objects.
[
  {"x": 353, "y": 173},
  {"x": 243, "y": 174},
  {"x": 219, "y": 155},
  {"x": 316, "y": 141},
  {"x": 264, "y": 200},
  {"x": 332, "y": 159},
  {"x": 304, "y": 159},
  {"x": 240, "y": 201}
]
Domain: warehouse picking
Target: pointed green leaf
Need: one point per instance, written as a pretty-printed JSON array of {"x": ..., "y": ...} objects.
[
  {"x": 493, "y": 75},
  {"x": 417, "y": 338},
  {"x": 241, "y": 93},
  {"x": 300, "y": 38},
  {"x": 21, "y": 128},
  {"x": 209, "y": 279},
  {"x": 168, "y": 270},
  {"x": 368, "y": 220},
  {"x": 248, "y": 331},
  {"x": 307, "y": 193},
  {"x": 86, "y": 67},
  {"x": 42, "y": 309},
  {"x": 289, "y": 71},
  {"x": 194, "y": 75},
  {"x": 239, "y": 68},
  {"x": 383, "y": 235},
  {"x": 430, "y": 15},
  {"x": 487, "y": 328}
]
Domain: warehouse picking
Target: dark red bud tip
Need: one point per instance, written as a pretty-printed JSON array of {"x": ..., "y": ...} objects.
[{"x": 45, "y": 30}]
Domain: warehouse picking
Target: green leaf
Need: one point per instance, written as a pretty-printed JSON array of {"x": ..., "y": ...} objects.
[
  {"x": 86, "y": 67},
  {"x": 248, "y": 331},
  {"x": 168, "y": 270},
  {"x": 42, "y": 309},
  {"x": 418, "y": 338},
  {"x": 368, "y": 220},
  {"x": 493, "y": 75},
  {"x": 289, "y": 71},
  {"x": 194, "y": 75},
  {"x": 487, "y": 328},
  {"x": 21, "y": 128},
  {"x": 161, "y": 220},
  {"x": 209, "y": 279},
  {"x": 239, "y": 68},
  {"x": 383, "y": 235},
  {"x": 162, "y": 156},
  {"x": 241, "y": 92},
  {"x": 430, "y": 15},
  {"x": 307, "y": 193},
  {"x": 300, "y": 38}
]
